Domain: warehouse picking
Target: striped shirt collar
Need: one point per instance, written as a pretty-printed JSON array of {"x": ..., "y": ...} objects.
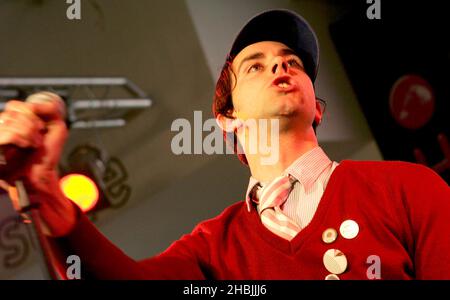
[{"x": 306, "y": 169}]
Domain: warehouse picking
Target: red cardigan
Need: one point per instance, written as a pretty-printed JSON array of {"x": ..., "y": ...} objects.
[{"x": 403, "y": 212}]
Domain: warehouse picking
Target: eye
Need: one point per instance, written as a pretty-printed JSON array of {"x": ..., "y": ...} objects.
[
  {"x": 293, "y": 62},
  {"x": 255, "y": 68}
]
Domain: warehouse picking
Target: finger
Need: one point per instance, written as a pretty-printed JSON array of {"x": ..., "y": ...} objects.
[
  {"x": 23, "y": 126},
  {"x": 19, "y": 124},
  {"x": 54, "y": 139},
  {"x": 51, "y": 110},
  {"x": 23, "y": 109},
  {"x": 10, "y": 136},
  {"x": 17, "y": 137},
  {"x": 19, "y": 106},
  {"x": 13, "y": 117}
]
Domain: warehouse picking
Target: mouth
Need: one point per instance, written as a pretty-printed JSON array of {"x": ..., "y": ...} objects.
[{"x": 283, "y": 83}]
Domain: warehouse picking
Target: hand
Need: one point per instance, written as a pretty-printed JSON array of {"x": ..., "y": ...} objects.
[
  {"x": 21, "y": 134},
  {"x": 38, "y": 131}
]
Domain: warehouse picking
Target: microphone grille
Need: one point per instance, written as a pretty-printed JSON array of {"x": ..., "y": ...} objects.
[{"x": 46, "y": 96}]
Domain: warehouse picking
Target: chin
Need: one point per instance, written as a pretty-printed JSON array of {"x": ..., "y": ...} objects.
[
  {"x": 283, "y": 107},
  {"x": 288, "y": 110}
]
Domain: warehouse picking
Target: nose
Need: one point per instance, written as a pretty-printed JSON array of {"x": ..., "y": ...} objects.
[{"x": 279, "y": 64}]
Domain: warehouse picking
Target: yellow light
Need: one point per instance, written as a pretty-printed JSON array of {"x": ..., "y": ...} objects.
[{"x": 81, "y": 190}]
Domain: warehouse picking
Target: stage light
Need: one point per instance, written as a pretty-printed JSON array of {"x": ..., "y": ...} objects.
[
  {"x": 106, "y": 173},
  {"x": 81, "y": 190}
]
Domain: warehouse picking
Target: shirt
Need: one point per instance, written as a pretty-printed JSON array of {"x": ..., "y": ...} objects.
[{"x": 312, "y": 170}]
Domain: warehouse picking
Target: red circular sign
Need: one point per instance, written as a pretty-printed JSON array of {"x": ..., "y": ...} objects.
[{"x": 411, "y": 101}]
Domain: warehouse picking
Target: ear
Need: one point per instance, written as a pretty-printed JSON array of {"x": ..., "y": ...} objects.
[
  {"x": 228, "y": 124},
  {"x": 319, "y": 113}
]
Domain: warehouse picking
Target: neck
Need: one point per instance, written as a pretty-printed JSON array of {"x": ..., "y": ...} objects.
[{"x": 292, "y": 144}]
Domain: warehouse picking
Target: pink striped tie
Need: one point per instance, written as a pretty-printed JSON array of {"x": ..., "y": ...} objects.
[{"x": 272, "y": 197}]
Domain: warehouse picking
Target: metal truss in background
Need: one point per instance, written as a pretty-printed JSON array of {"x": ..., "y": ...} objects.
[{"x": 92, "y": 102}]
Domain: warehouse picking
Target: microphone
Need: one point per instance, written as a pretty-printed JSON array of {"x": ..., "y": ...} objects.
[
  {"x": 12, "y": 156},
  {"x": 45, "y": 97}
]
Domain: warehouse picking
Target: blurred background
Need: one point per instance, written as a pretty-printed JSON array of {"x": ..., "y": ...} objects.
[{"x": 385, "y": 82}]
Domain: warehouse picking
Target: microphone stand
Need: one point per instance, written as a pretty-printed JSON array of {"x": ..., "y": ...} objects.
[
  {"x": 52, "y": 267},
  {"x": 50, "y": 264}
]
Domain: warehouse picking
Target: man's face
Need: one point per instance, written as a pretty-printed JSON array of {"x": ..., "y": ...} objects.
[{"x": 271, "y": 83}]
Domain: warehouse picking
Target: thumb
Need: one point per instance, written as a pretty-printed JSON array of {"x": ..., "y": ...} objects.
[
  {"x": 54, "y": 140},
  {"x": 50, "y": 153},
  {"x": 47, "y": 105}
]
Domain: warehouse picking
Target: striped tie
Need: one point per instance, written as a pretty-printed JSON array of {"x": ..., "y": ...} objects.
[{"x": 271, "y": 198}]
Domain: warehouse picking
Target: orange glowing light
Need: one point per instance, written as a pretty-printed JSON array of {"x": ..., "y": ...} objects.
[{"x": 81, "y": 190}]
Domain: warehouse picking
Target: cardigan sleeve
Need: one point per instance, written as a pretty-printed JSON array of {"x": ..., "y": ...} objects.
[
  {"x": 428, "y": 203},
  {"x": 186, "y": 258},
  {"x": 101, "y": 259}
]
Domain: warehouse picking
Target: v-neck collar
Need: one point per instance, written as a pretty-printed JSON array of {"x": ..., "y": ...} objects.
[
  {"x": 290, "y": 247},
  {"x": 305, "y": 169}
]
